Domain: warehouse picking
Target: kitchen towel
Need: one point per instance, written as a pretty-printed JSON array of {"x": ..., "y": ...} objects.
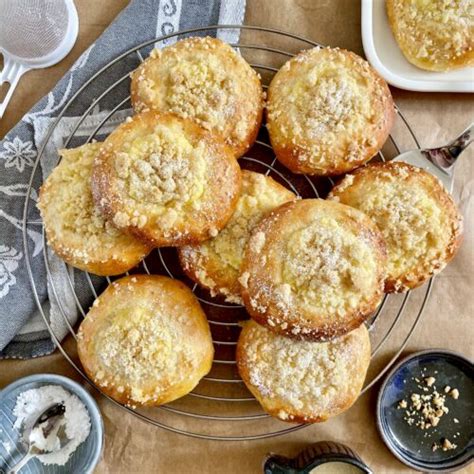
[{"x": 23, "y": 332}]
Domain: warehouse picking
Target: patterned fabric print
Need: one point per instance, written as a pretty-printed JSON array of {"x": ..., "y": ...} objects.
[
  {"x": 168, "y": 19},
  {"x": 9, "y": 258},
  {"x": 18, "y": 154}
]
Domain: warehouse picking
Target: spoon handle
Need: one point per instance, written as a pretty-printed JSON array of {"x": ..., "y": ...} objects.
[
  {"x": 445, "y": 157},
  {"x": 15, "y": 469}
]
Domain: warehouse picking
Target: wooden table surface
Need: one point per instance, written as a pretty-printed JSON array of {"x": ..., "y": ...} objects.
[{"x": 447, "y": 322}]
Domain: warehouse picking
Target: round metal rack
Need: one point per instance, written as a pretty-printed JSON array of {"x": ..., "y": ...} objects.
[{"x": 221, "y": 408}]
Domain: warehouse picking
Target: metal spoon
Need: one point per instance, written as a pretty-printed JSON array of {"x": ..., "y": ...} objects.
[
  {"x": 50, "y": 424},
  {"x": 440, "y": 161}
]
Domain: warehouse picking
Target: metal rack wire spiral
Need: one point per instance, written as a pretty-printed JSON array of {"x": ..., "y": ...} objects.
[{"x": 221, "y": 408}]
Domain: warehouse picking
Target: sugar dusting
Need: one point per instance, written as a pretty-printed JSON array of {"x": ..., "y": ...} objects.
[
  {"x": 300, "y": 376},
  {"x": 203, "y": 79},
  {"x": 327, "y": 107},
  {"x": 31, "y": 403},
  {"x": 321, "y": 264},
  {"x": 416, "y": 216}
]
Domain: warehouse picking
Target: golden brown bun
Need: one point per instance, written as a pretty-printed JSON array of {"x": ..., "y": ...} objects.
[
  {"x": 166, "y": 180},
  {"x": 215, "y": 263},
  {"x": 421, "y": 225},
  {"x": 206, "y": 80},
  {"x": 328, "y": 112},
  {"x": 313, "y": 270},
  {"x": 434, "y": 35},
  {"x": 303, "y": 381},
  {"x": 75, "y": 229},
  {"x": 145, "y": 341}
]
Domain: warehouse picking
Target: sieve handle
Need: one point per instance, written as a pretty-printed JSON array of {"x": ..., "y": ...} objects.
[{"x": 11, "y": 73}]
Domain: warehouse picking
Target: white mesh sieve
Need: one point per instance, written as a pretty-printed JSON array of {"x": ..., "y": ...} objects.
[
  {"x": 31, "y": 29},
  {"x": 34, "y": 34}
]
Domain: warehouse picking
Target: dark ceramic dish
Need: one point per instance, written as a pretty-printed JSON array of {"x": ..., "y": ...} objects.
[{"x": 412, "y": 445}]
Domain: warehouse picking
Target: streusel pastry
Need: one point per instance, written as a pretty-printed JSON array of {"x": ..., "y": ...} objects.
[
  {"x": 436, "y": 35},
  {"x": 421, "y": 225},
  {"x": 328, "y": 112},
  {"x": 215, "y": 263},
  {"x": 313, "y": 269},
  {"x": 145, "y": 341},
  {"x": 166, "y": 180},
  {"x": 303, "y": 381},
  {"x": 207, "y": 80},
  {"x": 75, "y": 229}
]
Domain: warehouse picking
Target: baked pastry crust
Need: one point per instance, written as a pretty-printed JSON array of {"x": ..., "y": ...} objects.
[
  {"x": 328, "y": 112},
  {"x": 418, "y": 218},
  {"x": 207, "y": 80},
  {"x": 75, "y": 229},
  {"x": 215, "y": 263},
  {"x": 313, "y": 270},
  {"x": 303, "y": 381},
  {"x": 434, "y": 35},
  {"x": 145, "y": 341},
  {"x": 166, "y": 180}
]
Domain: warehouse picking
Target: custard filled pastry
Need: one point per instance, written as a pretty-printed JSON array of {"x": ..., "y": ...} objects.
[
  {"x": 303, "y": 381},
  {"x": 328, "y": 112},
  {"x": 75, "y": 229},
  {"x": 434, "y": 35},
  {"x": 145, "y": 341},
  {"x": 166, "y": 180},
  {"x": 313, "y": 269},
  {"x": 421, "y": 225},
  {"x": 206, "y": 80}
]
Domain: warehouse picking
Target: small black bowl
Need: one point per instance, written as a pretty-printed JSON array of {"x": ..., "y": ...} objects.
[{"x": 411, "y": 445}]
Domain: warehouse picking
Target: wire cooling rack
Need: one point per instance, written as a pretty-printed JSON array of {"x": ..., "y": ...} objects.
[{"x": 221, "y": 408}]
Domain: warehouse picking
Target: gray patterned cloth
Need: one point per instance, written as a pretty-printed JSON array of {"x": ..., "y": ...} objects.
[{"x": 23, "y": 332}]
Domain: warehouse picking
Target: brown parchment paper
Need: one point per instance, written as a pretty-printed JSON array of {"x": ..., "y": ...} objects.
[{"x": 132, "y": 446}]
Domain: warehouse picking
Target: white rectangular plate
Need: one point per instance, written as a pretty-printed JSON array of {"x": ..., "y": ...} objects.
[{"x": 384, "y": 55}]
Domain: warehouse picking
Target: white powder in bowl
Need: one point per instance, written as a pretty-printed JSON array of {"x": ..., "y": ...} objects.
[{"x": 32, "y": 403}]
